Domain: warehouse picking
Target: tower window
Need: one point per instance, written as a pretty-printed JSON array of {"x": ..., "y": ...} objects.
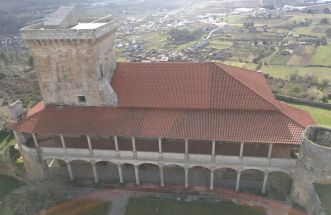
[{"x": 81, "y": 99}]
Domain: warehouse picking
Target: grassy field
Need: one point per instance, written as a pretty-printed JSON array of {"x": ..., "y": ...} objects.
[
  {"x": 321, "y": 116},
  {"x": 322, "y": 56},
  {"x": 5, "y": 140},
  {"x": 284, "y": 72},
  {"x": 170, "y": 207},
  {"x": 7, "y": 184},
  {"x": 324, "y": 193},
  {"x": 220, "y": 44}
]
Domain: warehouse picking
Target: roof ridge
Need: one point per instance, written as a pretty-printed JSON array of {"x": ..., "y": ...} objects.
[{"x": 256, "y": 92}]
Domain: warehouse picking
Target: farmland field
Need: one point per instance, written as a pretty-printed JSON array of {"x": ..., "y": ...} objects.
[
  {"x": 322, "y": 56},
  {"x": 321, "y": 116},
  {"x": 284, "y": 72}
]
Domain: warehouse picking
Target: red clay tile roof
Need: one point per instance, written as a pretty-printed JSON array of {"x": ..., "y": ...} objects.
[
  {"x": 200, "y": 101},
  {"x": 192, "y": 86},
  {"x": 225, "y": 125}
]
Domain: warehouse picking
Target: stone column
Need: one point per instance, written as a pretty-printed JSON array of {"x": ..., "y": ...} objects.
[
  {"x": 120, "y": 174},
  {"x": 89, "y": 144},
  {"x": 238, "y": 181},
  {"x": 270, "y": 151},
  {"x": 241, "y": 150},
  {"x": 186, "y": 149},
  {"x": 71, "y": 175},
  {"x": 116, "y": 143},
  {"x": 211, "y": 186},
  {"x": 265, "y": 182},
  {"x": 136, "y": 172},
  {"x": 33, "y": 163},
  {"x": 35, "y": 140},
  {"x": 161, "y": 175},
  {"x": 95, "y": 173},
  {"x": 160, "y": 146},
  {"x": 134, "y": 147},
  {"x": 63, "y": 142},
  {"x": 213, "y": 146},
  {"x": 186, "y": 177}
]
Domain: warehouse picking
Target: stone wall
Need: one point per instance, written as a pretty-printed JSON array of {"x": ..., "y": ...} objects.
[
  {"x": 313, "y": 165},
  {"x": 72, "y": 63}
]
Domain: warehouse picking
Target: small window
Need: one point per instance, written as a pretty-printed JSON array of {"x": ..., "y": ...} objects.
[{"x": 81, "y": 99}]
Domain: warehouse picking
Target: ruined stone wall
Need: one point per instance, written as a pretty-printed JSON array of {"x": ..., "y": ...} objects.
[{"x": 313, "y": 165}]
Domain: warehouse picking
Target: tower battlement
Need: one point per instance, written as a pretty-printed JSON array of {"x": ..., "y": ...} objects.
[{"x": 75, "y": 61}]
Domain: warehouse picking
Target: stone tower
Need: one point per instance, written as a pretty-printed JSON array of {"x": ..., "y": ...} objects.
[
  {"x": 313, "y": 166},
  {"x": 75, "y": 61}
]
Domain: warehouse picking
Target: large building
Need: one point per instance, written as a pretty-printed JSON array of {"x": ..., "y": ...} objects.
[{"x": 188, "y": 124}]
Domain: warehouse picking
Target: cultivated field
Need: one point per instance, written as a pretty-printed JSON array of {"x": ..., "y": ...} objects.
[{"x": 323, "y": 56}]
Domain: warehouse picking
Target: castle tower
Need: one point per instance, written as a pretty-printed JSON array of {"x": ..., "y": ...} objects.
[
  {"x": 313, "y": 165},
  {"x": 75, "y": 61}
]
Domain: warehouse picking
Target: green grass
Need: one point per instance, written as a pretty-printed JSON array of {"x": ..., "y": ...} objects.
[
  {"x": 220, "y": 44},
  {"x": 324, "y": 193},
  {"x": 284, "y": 72},
  {"x": 322, "y": 56},
  {"x": 320, "y": 115},
  {"x": 147, "y": 206},
  {"x": 7, "y": 184},
  {"x": 280, "y": 59},
  {"x": 5, "y": 140},
  {"x": 245, "y": 65}
]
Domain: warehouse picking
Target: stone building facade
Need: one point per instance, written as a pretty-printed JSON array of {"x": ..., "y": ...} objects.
[{"x": 205, "y": 125}]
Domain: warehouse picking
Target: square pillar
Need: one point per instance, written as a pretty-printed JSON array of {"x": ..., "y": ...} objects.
[
  {"x": 63, "y": 142},
  {"x": 186, "y": 149},
  {"x": 161, "y": 176},
  {"x": 211, "y": 185},
  {"x": 160, "y": 145},
  {"x": 89, "y": 144},
  {"x": 120, "y": 174},
  {"x": 71, "y": 175},
  {"x": 35, "y": 140},
  {"x": 134, "y": 150},
  {"x": 270, "y": 151},
  {"x": 265, "y": 181},
  {"x": 241, "y": 150},
  {"x": 186, "y": 177},
  {"x": 238, "y": 181},
  {"x": 136, "y": 172},
  {"x": 95, "y": 173}
]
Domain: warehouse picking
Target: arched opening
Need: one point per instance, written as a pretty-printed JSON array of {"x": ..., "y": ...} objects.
[
  {"x": 279, "y": 185},
  {"x": 174, "y": 175},
  {"x": 82, "y": 170},
  {"x": 128, "y": 173},
  {"x": 225, "y": 178},
  {"x": 107, "y": 172},
  {"x": 199, "y": 176},
  {"x": 251, "y": 180},
  {"x": 57, "y": 168},
  {"x": 149, "y": 174}
]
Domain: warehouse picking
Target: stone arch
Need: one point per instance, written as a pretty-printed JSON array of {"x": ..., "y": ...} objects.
[
  {"x": 149, "y": 173},
  {"x": 82, "y": 170},
  {"x": 57, "y": 167},
  {"x": 279, "y": 185},
  {"x": 107, "y": 172},
  {"x": 225, "y": 177},
  {"x": 174, "y": 175},
  {"x": 199, "y": 176},
  {"x": 128, "y": 173},
  {"x": 251, "y": 180}
]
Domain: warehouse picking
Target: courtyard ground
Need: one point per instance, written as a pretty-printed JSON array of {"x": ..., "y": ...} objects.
[
  {"x": 7, "y": 184},
  {"x": 324, "y": 193},
  {"x": 149, "y": 206}
]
